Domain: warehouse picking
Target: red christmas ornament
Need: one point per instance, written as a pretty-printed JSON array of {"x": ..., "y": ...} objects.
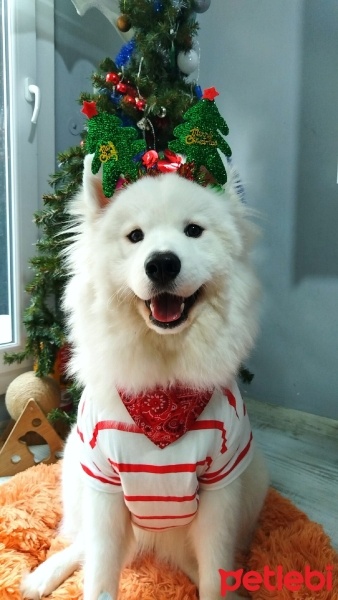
[
  {"x": 89, "y": 109},
  {"x": 130, "y": 100},
  {"x": 150, "y": 158},
  {"x": 210, "y": 94},
  {"x": 122, "y": 87},
  {"x": 131, "y": 91},
  {"x": 140, "y": 103},
  {"x": 113, "y": 78}
]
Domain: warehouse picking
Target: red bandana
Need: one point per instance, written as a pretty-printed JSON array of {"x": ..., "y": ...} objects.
[{"x": 164, "y": 415}]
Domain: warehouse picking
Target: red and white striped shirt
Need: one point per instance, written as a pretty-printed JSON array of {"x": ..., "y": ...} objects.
[{"x": 161, "y": 485}]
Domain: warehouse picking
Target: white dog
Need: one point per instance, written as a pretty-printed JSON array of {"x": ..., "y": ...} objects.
[{"x": 161, "y": 305}]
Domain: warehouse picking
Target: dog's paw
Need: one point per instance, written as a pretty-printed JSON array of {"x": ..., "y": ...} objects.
[
  {"x": 41, "y": 582},
  {"x": 28, "y": 588},
  {"x": 51, "y": 573},
  {"x": 94, "y": 595},
  {"x": 33, "y": 587}
]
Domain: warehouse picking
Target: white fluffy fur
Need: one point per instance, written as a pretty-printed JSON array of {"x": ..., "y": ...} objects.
[{"x": 116, "y": 345}]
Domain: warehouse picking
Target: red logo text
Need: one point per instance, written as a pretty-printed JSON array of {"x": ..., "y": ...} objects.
[{"x": 276, "y": 580}]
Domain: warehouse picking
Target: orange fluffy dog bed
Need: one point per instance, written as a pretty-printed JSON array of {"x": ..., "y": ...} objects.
[{"x": 287, "y": 540}]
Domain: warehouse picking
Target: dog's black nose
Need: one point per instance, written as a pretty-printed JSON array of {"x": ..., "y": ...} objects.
[{"x": 162, "y": 267}]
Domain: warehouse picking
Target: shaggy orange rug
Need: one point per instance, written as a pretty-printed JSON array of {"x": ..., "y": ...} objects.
[{"x": 30, "y": 511}]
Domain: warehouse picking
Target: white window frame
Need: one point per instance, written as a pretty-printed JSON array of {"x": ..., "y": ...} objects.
[{"x": 32, "y": 151}]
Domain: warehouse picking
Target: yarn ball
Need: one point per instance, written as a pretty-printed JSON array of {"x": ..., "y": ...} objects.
[{"x": 44, "y": 390}]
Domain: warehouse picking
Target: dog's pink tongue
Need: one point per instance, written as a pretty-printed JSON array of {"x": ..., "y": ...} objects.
[{"x": 166, "y": 308}]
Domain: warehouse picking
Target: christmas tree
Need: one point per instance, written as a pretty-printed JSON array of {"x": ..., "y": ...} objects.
[
  {"x": 43, "y": 318},
  {"x": 140, "y": 99}
]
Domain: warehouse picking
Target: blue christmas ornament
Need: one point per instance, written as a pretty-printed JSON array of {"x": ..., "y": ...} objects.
[
  {"x": 158, "y": 6},
  {"x": 137, "y": 157},
  {"x": 198, "y": 92},
  {"x": 115, "y": 98},
  {"x": 125, "y": 54},
  {"x": 127, "y": 121}
]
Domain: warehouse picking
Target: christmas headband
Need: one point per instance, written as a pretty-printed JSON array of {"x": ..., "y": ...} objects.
[{"x": 119, "y": 151}]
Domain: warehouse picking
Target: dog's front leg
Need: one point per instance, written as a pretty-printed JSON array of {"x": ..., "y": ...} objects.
[
  {"x": 108, "y": 539},
  {"x": 214, "y": 532}
]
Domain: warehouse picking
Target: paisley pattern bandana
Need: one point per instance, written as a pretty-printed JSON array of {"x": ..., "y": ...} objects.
[{"x": 165, "y": 414}]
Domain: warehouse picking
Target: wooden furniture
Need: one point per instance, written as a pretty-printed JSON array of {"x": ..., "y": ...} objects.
[{"x": 15, "y": 455}]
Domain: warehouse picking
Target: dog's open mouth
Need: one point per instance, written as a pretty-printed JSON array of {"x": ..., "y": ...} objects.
[{"x": 169, "y": 311}]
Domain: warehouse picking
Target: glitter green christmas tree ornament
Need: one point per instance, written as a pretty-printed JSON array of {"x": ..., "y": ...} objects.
[
  {"x": 199, "y": 139},
  {"x": 114, "y": 147}
]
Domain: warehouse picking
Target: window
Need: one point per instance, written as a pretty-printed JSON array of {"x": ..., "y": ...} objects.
[
  {"x": 6, "y": 332},
  {"x": 27, "y": 152}
]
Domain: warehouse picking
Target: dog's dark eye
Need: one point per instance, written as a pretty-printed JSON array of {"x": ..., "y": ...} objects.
[
  {"x": 135, "y": 236},
  {"x": 193, "y": 230}
]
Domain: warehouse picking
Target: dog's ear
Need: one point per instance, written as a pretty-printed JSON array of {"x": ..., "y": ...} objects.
[
  {"x": 92, "y": 186},
  {"x": 247, "y": 228}
]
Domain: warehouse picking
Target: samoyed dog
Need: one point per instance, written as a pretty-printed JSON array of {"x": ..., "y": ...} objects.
[{"x": 161, "y": 304}]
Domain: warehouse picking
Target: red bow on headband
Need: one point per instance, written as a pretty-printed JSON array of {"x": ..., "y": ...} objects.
[{"x": 169, "y": 164}]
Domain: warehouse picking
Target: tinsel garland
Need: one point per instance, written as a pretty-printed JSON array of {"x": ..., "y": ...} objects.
[{"x": 125, "y": 54}]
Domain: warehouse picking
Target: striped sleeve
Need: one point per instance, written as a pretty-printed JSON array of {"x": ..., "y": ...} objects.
[
  {"x": 95, "y": 468},
  {"x": 231, "y": 461}
]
